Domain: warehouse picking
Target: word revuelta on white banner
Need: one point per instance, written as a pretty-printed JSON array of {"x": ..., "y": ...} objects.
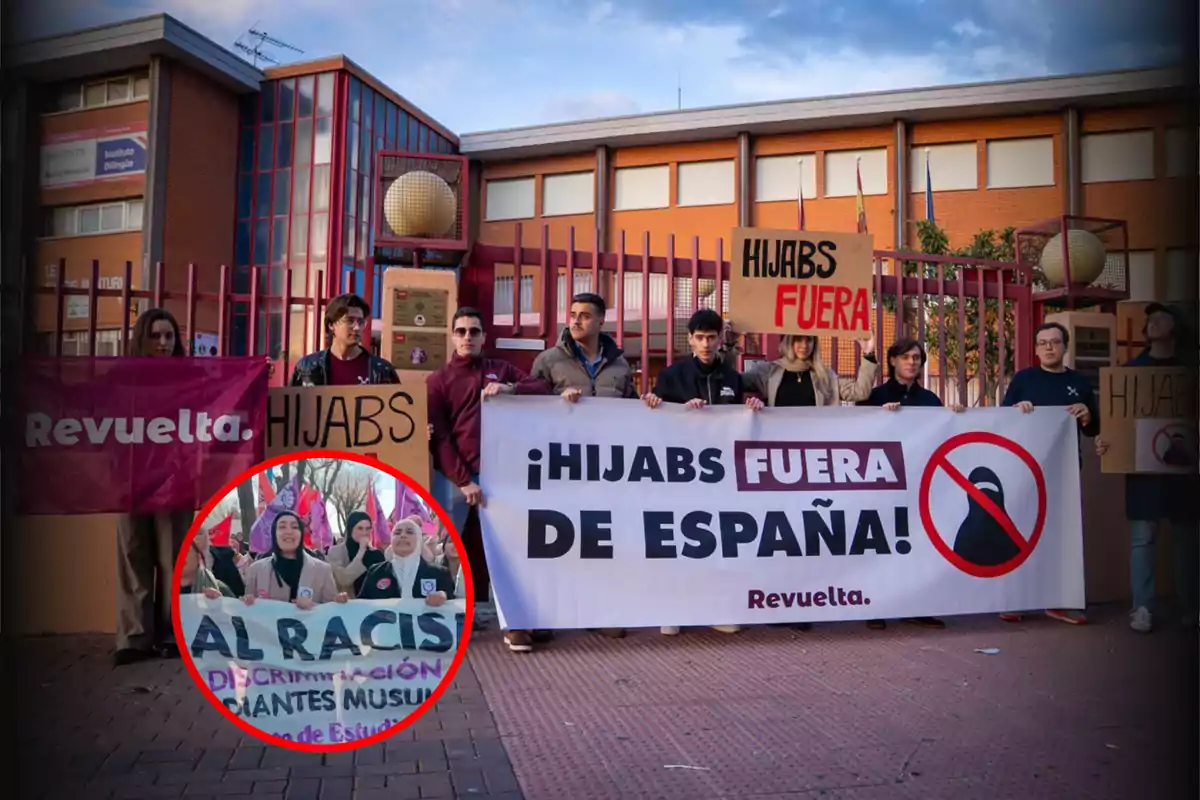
[
  {"x": 332, "y": 674},
  {"x": 605, "y": 513}
]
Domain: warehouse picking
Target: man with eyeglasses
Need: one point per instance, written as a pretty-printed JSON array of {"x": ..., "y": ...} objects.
[
  {"x": 455, "y": 393},
  {"x": 1052, "y": 383},
  {"x": 346, "y": 362}
]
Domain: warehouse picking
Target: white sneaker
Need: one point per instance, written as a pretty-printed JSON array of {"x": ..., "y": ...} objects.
[
  {"x": 727, "y": 628},
  {"x": 1140, "y": 620},
  {"x": 669, "y": 630}
]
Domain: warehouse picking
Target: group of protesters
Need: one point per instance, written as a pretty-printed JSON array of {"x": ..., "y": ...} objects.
[{"x": 584, "y": 363}]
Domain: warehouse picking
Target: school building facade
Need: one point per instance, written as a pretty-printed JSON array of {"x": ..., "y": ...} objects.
[{"x": 144, "y": 142}]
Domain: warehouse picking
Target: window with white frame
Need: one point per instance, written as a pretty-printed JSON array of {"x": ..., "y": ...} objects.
[
  {"x": 638, "y": 188},
  {"x": 706, "y": 183},
  {"x": 952, "y": 167},
  {"x": 1117, "y": 156},
  {"x": 843, "y": 168},
  {"x": 779, "y": 177},
  {"x": 75, "y": 343},
  {"x": 1020, "y": 163},
  {"x": 509, "y": 198},
  {"x": 94, "y": 218},
  {"x": 568, "y": 193},
  {"x": 78, "y": 95}
]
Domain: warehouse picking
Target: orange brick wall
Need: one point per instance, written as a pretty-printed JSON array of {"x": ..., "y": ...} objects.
[
  {"x": 1145, "y": 205},
  {"x": 201, "y": 174},
  {"x": 111, "y": 249}
]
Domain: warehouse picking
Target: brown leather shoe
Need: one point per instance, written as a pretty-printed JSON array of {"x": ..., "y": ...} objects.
[{"x": 518, "y": 641}]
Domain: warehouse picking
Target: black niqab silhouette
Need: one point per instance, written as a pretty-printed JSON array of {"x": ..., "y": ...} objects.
[{"x": 981, "y": 538}]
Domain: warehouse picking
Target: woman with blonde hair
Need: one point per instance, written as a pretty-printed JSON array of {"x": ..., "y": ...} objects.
[{"x": 799, "y": 378}]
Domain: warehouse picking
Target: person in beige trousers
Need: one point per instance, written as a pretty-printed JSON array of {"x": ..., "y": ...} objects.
[
  {"x": 289, "y": 574},
  {"x": 148, "y": 544}
]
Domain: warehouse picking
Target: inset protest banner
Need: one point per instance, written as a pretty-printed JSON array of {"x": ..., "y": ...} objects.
[
  {"x": 387, "y": 422},
  {"x": 330, "y": 675},
  {"x": 787, "y": 281},
  {"x": 136, "y": 435},
  {"x": 1148, "y": 415},
  {"x": 605, "y": 513}
]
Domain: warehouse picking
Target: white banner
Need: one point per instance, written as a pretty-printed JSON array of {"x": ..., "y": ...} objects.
[
  {"x": 332, "y": 674},
  {"x": 608, "y": 514}
]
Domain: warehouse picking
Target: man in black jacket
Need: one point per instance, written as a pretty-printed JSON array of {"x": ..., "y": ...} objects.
[
  {"x": 346, "y": 362},
  {"x": 906, "y": 360},
  {"x": 702, "y": 380}
]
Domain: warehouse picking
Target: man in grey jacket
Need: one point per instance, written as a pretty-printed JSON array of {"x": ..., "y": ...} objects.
[{"x": 587, "y": 362}]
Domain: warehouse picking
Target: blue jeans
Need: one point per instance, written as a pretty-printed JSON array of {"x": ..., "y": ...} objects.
[
  {"x": 1143, "y": 560},
  {"x": 451, "y": 499}
]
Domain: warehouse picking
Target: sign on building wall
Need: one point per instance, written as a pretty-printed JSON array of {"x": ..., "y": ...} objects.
[
  {"x": 82, "y": 157},
  {"x": 789, "y": 281}
]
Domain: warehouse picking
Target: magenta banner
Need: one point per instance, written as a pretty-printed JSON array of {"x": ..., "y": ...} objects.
[{"x": 137, "y": 435}]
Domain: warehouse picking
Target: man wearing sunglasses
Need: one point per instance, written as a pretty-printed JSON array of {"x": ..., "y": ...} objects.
[
  {"x": 455, "y": 393},
  {"x": 346, "y": 362}
]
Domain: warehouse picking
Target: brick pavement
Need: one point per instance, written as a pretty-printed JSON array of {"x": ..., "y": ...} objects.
[
  {"x": 1067, "y": 712},
  {"x": 838, "y": 712},
  {"x": 145, "y": 731}
]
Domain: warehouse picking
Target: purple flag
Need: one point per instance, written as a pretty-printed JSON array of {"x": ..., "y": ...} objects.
[
  {"x": 322, "y": 535},
  {"x": 287, "y": 500}
]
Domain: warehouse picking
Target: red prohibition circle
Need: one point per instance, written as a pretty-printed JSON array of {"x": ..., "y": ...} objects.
[
  {"x": 938, "y": 461},
  {"x": 1164, "y": 431},
  {"x": 460, "y": 652}
]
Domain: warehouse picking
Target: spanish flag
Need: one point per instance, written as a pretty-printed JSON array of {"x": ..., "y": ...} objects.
[{"x": 862, "y": 209}]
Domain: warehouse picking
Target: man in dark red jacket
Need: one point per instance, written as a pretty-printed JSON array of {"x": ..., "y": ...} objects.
[{"x": 455, "y": 398}]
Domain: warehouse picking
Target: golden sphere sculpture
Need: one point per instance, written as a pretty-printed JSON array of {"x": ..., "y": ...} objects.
[
  {"x": 420, "y": 204},
  {"x": 1087, "y": 254}
]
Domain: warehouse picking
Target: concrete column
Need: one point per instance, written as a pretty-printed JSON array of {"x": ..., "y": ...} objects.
[
  {"x": 745, "y": 168},
  {"x": 603, "y": 199},
  {"x": 155, "y": 199},
  {"x": 1072, "y": 160},
  {"x": 900, "y": 191}
]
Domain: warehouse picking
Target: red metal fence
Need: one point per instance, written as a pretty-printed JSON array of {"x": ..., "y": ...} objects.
[
  {"x": 941, "y": 301},
  {"x": 224, "y": 301},
  {"x": 913, "y": 292}
]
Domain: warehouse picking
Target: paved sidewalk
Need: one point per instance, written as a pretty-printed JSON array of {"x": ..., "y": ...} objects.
[
  {"x": 145, "y": 731},
  {"x": 838, "y": 712}
]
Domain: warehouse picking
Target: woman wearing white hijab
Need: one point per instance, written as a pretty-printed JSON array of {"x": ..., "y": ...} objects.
[{"x": 406, "y": 574}]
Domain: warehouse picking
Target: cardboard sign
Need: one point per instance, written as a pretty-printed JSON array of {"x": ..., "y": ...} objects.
[
  {"x": 387, "y": 422},
  {"x": 813, "y": 282},
  {"x": 1148, "y": 415}
]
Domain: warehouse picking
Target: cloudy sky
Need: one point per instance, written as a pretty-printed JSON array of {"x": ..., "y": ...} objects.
[{"x": 488, "y": 64}]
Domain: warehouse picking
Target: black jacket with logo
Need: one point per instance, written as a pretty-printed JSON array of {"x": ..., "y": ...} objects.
[
  {"x": 717, "y": 384},
  {"x": 380, "y": 583}
]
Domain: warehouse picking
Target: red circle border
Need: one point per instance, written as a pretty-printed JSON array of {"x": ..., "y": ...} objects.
[
  {"x": 1039, "y": 479},
  {"x": 460, "y": 651}
]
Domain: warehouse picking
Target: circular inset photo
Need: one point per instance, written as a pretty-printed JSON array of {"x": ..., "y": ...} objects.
[
  {"x": 321, "y": 603},
  {"x": 419, "y": 319},
  {"x": 419, "y": 355}
]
